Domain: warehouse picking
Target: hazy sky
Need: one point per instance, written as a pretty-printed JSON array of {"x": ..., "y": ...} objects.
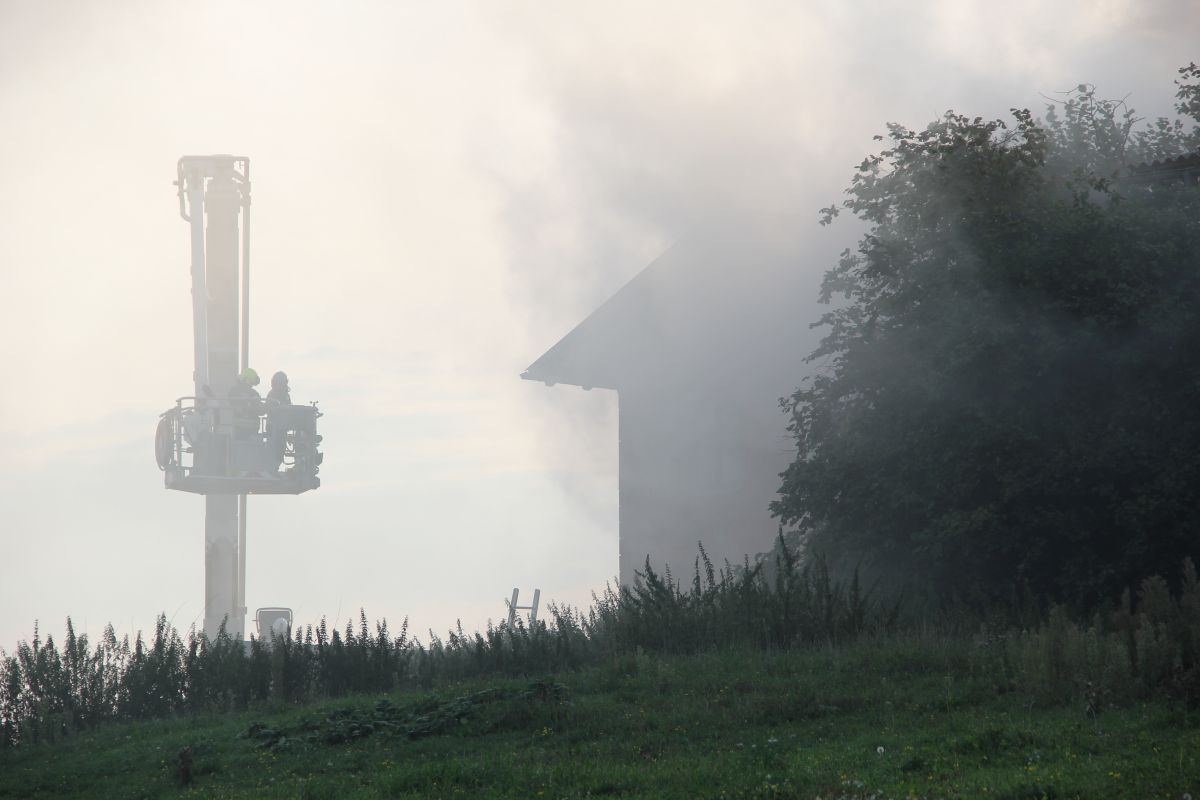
[{"x": 441, "y": 191}]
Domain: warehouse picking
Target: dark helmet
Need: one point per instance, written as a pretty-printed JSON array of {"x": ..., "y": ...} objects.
[{"x": 279, "y": 380}]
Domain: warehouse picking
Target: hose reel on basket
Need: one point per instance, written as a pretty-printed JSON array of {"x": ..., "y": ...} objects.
[{"x": 164, "y": 441}]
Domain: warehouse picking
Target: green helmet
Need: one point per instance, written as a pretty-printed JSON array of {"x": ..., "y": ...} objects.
[{"x": 250, "y": 377}]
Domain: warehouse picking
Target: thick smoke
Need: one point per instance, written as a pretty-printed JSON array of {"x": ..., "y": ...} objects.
[{"x": 703, "y": 118}]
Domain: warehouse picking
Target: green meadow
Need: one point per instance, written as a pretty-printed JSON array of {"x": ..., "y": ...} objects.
[{"x": 883, "y": 717}]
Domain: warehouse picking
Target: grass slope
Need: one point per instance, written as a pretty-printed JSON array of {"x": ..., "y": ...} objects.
[{"x": 897, "y": 718}]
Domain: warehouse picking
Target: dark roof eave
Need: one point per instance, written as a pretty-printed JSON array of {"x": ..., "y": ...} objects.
[{"x": 528, "y": 375}]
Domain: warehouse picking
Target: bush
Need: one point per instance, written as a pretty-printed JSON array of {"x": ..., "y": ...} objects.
[{"x": 1126, "y": 653}]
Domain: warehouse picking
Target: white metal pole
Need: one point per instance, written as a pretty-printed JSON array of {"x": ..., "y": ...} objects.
[
  {"x": 245, "y": 362},
  {"x": 222, "y": 525},
  {"x": 240, "y": 605},
  {"x": 194, "y": 184},
  {"x": 246, "y": 268}
]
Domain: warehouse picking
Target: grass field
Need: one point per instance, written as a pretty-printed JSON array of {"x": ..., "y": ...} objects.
[{"x": 889, "y": 718}]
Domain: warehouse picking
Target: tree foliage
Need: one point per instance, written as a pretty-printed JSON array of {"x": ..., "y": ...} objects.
[{"x": 1008, "y": 391}]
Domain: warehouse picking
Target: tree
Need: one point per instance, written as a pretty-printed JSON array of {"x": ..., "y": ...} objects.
[{"x": 1009, "y": 384}]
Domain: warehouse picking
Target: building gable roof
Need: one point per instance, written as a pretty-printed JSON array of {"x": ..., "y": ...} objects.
[{"x": 707, "y": 298}]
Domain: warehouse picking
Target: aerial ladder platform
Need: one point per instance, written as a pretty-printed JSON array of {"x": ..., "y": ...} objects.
[{"x": 207, "y": 443}]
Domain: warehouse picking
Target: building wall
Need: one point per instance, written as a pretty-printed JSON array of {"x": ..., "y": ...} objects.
[
  {"x": 700, "y": 346},
  {"x": 697, "y": 465}
]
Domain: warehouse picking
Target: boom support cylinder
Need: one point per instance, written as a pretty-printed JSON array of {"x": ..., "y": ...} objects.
[{"x": 215, "y": 194}]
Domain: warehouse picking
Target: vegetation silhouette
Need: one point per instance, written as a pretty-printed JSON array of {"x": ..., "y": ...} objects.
[{"x": 1011, "y": 363}]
